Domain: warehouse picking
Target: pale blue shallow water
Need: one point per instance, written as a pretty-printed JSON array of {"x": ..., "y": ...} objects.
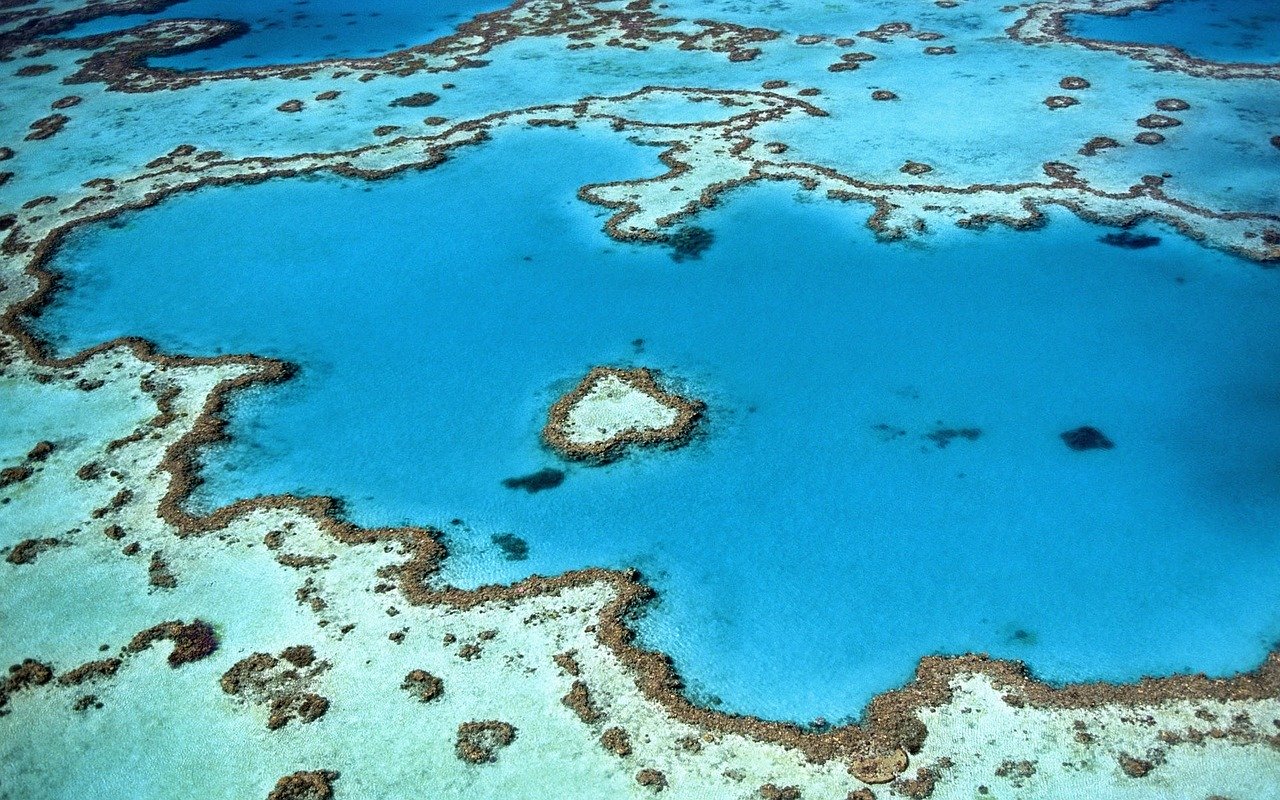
[
  {"x": 805, "y": 558},
  {"x": 1218, "y": 30},
  {"x": 293, "y": 31}
]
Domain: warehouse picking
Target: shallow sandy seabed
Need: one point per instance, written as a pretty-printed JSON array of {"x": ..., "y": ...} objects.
[{"x": 551, "y": 657}]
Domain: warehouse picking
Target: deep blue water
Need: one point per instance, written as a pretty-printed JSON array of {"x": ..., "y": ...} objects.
[
  {"x": 1218, "y": 30},
  {"x": 814, "y": 542},
  {"x": 306, "y": 30}
]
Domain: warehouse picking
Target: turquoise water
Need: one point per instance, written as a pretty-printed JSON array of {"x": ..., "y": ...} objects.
[
  {"x": 290, "y": 32},
  {"x": 1218, "y": 30},
  {"x": 814, "y": 542}
]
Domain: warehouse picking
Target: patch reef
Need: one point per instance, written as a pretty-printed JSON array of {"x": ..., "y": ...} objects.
[{"x": 611, "y": 409}]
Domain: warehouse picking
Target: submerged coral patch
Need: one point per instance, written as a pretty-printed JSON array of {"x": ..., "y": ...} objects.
[
  {"x": 513, "y": 547},
  {"x": 690, "y": 242},
  {"x": 1087, "y": 437},
  {"x": 1129, "y": 240},
  {"x": 534, "y": 482}
]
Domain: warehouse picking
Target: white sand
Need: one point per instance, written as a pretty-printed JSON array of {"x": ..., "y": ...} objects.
[{"x": 611, "y": 407}]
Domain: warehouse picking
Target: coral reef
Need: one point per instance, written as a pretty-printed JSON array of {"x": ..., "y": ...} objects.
[
  {"x": 479, "y": 741},
  {"x": 612, "y": 409},
  {"x": 1087, "y": 437},
  {"x": 191, "y": 641},
  {"x": 423, "y": 685},
  {"x": 316, "y": 785},
  {"x": 281, "y": 684}
]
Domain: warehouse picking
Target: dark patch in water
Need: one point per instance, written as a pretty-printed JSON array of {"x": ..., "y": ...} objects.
[
  {"x": 887, "y": 432},
  {"x": 1130, "y": 241},
  {"x": 548, "y": 478},
  {"x": 944, "y": 436},
  {"x": 1087, "y": 437},
  {"x": 512, "y": 546},
  {"x": 690, "y": 242},
  {"x": 1023, "y": 636},
  {"x": 637, "y": 345}
]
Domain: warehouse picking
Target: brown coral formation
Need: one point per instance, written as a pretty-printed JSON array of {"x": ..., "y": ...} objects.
[
  {"x": 915, "y": 168},
  {"x": 118, "y": 501},
  {"x": 12, "y": 475},
  {"x": 578, "y": 699},
  {"x": 568, "y": 663},
  {"x": 423, "y": 685},
  {"x": 47, "y": 127},
  {"x": 418, "y": 100},
  {"x": 158, "y": 573},
  {"x": 883, "y": 94},
  {"x": 773, "y": 792},
  {"x": 279, "y": 683},
  {"x": 305, "y": 786},
  {"x": 69, "y": 101},
  {"x": 652, "y": 778},
  {"x": 1016, "y": 769},
  {"x": 1172, "y": 104},
  {"x": 478, "y": 742},
  {"x": 886, "y": 32},
  {"x": 28, "y": 674},
  {"x": 1060, "y": 101},
  {"x": 1135, "y": 767},
  {"x": 1097, "y": 144},
  {"x": 34, "y": 70},
  {"x": 91, "y": 670},
  {"x": 616, "y": 741},
  {"x": 86, "y": 702},
  {"x": 1158, "y": 121},
  {"x": 191, "y": 641},
  {"x": 28, "y": 550},
  {"x": 555, "y": 432},
  {"x": 1073, "y": 83},
  {"x": 879, "y": 767},
  {"x": 1149, "y": 137},
  {"x": 290, "y": 106}
]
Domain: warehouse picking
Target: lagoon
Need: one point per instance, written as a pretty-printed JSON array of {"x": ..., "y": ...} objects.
[{"x": 824, "y": 530}]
